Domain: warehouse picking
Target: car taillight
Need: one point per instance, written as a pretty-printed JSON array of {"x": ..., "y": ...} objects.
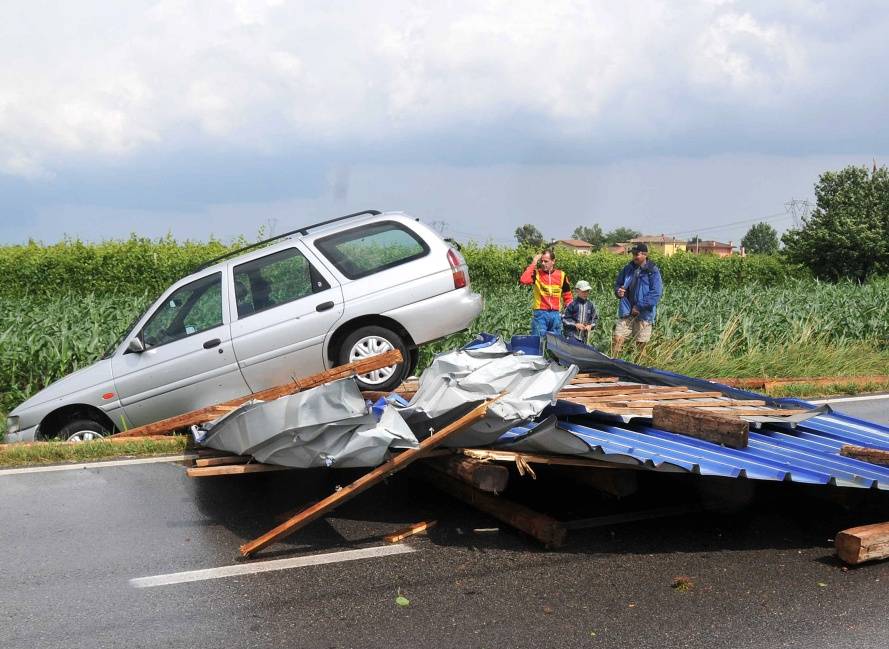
[{"x": 460, "y": 278}]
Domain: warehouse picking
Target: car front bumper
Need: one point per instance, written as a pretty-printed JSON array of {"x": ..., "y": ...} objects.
[{"x": 24, "y": 435}]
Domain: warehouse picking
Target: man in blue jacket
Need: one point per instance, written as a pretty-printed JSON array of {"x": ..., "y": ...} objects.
[{"x": 639, "y": 288}]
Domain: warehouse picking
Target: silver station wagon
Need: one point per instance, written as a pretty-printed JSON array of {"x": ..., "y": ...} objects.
[{"x": 285, "y": 308}]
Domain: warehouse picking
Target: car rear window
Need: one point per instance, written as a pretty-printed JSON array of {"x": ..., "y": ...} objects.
[
  {"x": 275, "y": 279},
  {"x": 368, "y": 249}
]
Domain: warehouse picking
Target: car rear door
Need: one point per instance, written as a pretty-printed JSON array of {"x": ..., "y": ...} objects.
[
  {"x": 188, "y": 361},
  {"x": 282, "y": 307}
]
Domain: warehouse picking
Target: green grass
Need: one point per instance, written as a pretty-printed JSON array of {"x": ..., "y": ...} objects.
[{"x": 17, "y": 455}]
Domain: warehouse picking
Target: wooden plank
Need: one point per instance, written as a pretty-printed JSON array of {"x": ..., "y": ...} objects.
[
  {"x": 233, "y": 469},
  {"x": 222, "y": 461},
  {"x": 732, "y": 410},
  {"x": 586, "y": 378},
  {"x": 729, "y": 431},
  {"x": 368, "y": 480},
  {"x": 410, "y": 530},
  {"x": 620, "y": 389},
  {"x": 550, "y": 532},
  {"x": 658, "y": 396},
  {"x": 872, "y": 455},
  {"x": 865, "y": 543},
  {"x": 203, "y": 415},
  {"x": 697, "y": 403},
  {"x": 480, "y": 474},
  {"x": 533, "y": 458}
]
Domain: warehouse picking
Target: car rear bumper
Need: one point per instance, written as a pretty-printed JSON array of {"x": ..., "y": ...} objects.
[{"x": 439, "y": 316}]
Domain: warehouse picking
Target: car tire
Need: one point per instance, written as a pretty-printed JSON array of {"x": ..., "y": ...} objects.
[
  {"x": 369, "y": 341},
  {"x": 82, "y": 430}
]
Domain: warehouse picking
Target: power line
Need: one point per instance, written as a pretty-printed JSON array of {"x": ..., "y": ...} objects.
[{"x": 772, "y": 217}]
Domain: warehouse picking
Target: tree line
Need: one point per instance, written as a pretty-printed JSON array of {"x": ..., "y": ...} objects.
[{"x": 846, "y": 236}]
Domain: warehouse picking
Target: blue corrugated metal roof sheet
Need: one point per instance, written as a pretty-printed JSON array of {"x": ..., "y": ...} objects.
[{"x": 807, "y": 453}]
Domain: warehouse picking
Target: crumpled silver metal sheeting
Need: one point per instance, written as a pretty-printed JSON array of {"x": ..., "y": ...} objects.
[
  {"x": 456, "y": 380},
  {"x": 329, "y": 425}
]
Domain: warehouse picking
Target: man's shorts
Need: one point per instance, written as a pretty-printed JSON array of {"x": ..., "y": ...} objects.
[{"x": 633, "y": 327}]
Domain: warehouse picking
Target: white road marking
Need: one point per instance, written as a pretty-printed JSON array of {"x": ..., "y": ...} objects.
[
  {"x": 867, "y": 397},
  {"x": 98, "y": 465},
  {"x": 268, "y": 566}
]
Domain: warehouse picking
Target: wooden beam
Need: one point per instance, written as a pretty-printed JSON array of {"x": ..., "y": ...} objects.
[
  {"x": 410, "y": 530},
  {"x": 729, "y": 431},
  {"x": 209, "y": 413},
  {"x": 550, "y": 532},
  {"x": 233, "y": 469},
  {"x": 872, "y": 455},
  {"x": 865, "y": 543},
  {"x": 532, "y": 458},
  {"x": 480, "y": 474},
  {"x": 222, "y": 461},
  {"x": 366, "y": 481}
]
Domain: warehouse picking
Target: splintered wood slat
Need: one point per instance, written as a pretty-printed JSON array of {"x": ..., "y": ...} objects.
[
  {"x": 872, "y": 455},
  {"x": 203, "y": 415},
  {"x": 864, "y": 543},
  {"x": 366, "y": 481},
  {"x": 233, "y": 469},
  {"x": 712, "y": 427},
  {"x": 410, "y": 530},
  {"x": 532, "y": 458}
]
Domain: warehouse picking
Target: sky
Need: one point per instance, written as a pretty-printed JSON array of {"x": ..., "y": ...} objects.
[{"x": 213, "y": 118}]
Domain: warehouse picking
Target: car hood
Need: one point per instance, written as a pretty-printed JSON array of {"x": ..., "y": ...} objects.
[{"x": 82, "y": 379}]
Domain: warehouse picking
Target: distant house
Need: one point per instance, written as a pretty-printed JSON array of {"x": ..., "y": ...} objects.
[
  {"x": 618, "y": 248},
  {"x": 578, "y": 246},
  {"x": 659, "y": 243},
  {"x": 710, "y": 248}
]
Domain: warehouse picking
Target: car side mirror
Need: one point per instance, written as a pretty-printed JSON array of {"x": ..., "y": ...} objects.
[{"x": 135, "y": 346}]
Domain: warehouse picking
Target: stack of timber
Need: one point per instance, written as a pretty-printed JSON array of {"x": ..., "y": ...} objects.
[{"x": 640, "y": 400}]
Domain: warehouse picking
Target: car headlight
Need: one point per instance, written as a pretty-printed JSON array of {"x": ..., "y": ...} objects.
[{"x": 12, "y": 425}]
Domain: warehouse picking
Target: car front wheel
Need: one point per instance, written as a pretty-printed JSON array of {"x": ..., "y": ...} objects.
[
  {"x": 82, "y": 430},
  {"x": 371, "y": 341}
]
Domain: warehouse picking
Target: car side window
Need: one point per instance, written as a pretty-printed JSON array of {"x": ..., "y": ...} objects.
[
  {"x": 191, "y": 309},
  {"x": 368, "y": 249},
  {"x": 274, "y": 280}
]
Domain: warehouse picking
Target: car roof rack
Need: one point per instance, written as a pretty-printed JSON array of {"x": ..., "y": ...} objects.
[{"x": 303, "y": 230}]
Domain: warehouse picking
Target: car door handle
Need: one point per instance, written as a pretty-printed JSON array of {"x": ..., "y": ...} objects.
[
  {"x": 324, "y": 306},
  {"x": 212, "y": 343}
]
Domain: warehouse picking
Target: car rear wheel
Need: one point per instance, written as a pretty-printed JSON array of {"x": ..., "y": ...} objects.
[
  {"x": 82, "y": 430},
  {"x": 371, "y": 341}
]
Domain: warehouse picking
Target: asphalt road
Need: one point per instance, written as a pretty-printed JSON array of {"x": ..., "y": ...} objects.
[
  {"x": 762, "y": 576},
  {"x": 872, "y": 407}
]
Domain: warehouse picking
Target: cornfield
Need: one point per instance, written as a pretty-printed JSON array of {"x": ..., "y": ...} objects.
[{"x": 800, "y": 327}]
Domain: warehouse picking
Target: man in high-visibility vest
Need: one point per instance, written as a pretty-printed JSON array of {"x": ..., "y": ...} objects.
[{"x": 551, "y": 292}]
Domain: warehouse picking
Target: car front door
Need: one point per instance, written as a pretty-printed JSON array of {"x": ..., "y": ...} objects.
[
  {"x": 283, "y": 308},
  {"x": 187, "y": 362}
]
